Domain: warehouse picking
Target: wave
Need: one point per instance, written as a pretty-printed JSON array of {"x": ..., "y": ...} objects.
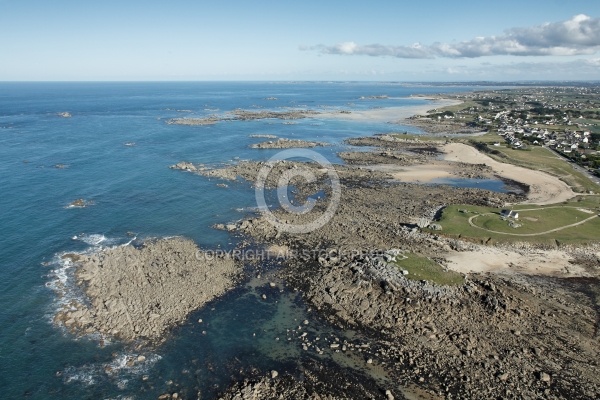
[
  {"x": 120, "y": 371},
  {"x": 62, "y": 278}
]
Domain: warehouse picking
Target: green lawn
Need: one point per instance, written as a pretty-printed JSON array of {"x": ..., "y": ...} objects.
[
  {"x": 455, "y": 223},
  {"x": 533, "y": 222},
  {"x": 459, "y": 107},
  {"x": 423, "y": 268}
]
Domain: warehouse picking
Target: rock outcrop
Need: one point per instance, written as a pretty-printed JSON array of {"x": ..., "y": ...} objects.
[{"x": 140, "y": 293}]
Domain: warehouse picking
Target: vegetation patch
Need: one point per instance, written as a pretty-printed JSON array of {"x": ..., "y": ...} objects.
[
  {"x": 422, "y": 268},
  {"x": 533, "y": 224}
]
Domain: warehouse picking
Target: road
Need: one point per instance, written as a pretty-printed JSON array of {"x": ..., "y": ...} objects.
[{"x": 579, "y": 168}]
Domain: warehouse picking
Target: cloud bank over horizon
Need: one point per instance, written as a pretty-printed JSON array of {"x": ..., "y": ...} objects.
[{"x": 579, "y": 35}]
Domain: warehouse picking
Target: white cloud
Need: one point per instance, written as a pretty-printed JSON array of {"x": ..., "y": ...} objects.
[
  {"x": 576, "y": 36},
  {"x": 351, "y": 48}
]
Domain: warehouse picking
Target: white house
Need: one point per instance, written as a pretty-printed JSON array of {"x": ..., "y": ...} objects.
[{"x": 509, "y": 214}]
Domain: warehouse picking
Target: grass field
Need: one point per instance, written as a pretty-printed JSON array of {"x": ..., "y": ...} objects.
[
  {"x": 455, "y": 223},
  {"x": 422, "y": 268},
  {"x": 532, "y": 222},
  {"x": 412, "y": 136},
  {"x": 459, "y": 107}
]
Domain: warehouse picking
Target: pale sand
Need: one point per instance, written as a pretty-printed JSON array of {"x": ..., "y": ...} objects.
[
  {"x": 543, "y": 188},
  {"x": 493, "y": 259},
  {"x": 388, "y": 114},
  {"x": 421, "y": 173}
]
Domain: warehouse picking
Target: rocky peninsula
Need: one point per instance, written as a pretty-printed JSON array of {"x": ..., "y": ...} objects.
[{"x": 141, "y": 292}]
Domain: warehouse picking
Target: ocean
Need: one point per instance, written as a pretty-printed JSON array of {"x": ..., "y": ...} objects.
[{"x": 114, "y": 151}]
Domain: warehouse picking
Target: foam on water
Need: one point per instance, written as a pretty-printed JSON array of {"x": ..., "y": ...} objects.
[
  {"x": 63, "y": 281},
  {"x": 119, "y": 371},
  {"x": 93, "y": 239}
]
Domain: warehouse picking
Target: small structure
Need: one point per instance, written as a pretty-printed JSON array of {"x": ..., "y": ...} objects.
[{"x": 509, "y": 214}]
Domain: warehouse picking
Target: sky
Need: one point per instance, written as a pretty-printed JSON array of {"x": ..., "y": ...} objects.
[{"x": 181, "y": 40}]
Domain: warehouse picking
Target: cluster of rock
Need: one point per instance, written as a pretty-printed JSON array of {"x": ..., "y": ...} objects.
[
  {"x": 375, "y": 97},
  {"x": 194, "y": 121},
  {"x": 80, "y": 203},
  {"x": 142, "y": 292},
  {"x": 373, "y": 214},
  {"x": 263, "y": 136},
  {"x": 382, "y": 157},
  {"x": 395, "y": 142},
  {"x": 249, "y": 170},
  {"x": 472, "y": 171},
  {"x": 491, "y": 337},
  {"x": 244, "y": 115},
  {"x": 317, "y": 381},
  {"x": 283, "y": 143}
]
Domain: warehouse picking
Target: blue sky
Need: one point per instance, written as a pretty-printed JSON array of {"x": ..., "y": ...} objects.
[{"x": 300, "y": 40}]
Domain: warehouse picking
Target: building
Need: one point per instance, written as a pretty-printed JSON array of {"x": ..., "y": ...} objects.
[{"x": 509, "y": 214}]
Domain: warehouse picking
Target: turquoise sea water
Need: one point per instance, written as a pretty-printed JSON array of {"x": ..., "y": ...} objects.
[{"x": 134, "y": 191}]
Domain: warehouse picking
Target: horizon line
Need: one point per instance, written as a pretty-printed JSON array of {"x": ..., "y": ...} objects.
[{"x": 523, "y": 81}]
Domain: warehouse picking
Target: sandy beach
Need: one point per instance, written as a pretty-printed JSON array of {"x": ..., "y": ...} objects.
[
  {"x": 543, "y": 188},
  {"x": 422, "y": 173},
  {"x": 389, "y": 114},
  {"x": 497, "y": 260}
]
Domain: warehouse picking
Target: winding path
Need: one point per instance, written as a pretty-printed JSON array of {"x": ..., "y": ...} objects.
[{"x": 531, "y": 234}]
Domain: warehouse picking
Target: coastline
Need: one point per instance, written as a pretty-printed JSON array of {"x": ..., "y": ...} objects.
[
  {"x": 378, "y": 221},
  {"x": 142, "y": 292},
  {"x": 395, "y": 115}
]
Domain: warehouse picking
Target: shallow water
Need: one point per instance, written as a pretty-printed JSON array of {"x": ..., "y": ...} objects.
[
  {"x": 115, "y": 151},
  {"x": 495, "y": 185}
]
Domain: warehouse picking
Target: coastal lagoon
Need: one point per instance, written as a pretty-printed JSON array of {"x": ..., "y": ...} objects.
[{"x": 113, "y": 149}]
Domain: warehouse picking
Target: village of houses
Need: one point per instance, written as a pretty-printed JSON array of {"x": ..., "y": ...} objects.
[{"x": 564, "y": 119}]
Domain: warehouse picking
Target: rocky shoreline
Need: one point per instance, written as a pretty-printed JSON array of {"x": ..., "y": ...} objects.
[
  {"x": 433, "y": 335},
  {"x": 485, "y": 335},
  {"x": 141, "y": 292},
  {"x": 493, "y": 336},
  {"x": 316, "y": 380}
]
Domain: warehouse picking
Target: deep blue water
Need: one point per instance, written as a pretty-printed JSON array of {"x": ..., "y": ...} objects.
[{"x": 133, "y": 190}]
